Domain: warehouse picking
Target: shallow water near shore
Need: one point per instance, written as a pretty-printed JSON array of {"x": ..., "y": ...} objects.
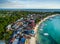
[{"x": 49, "y": 31}]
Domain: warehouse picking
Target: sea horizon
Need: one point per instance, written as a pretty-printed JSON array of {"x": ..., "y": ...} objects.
[{"x": 34, "y": 10}]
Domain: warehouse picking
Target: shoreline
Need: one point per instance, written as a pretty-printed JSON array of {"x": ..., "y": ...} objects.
[{"x": 33, "y": 39}]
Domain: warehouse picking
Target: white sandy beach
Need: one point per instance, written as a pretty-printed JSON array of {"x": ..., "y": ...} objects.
[{"x": 33, "y": 39}]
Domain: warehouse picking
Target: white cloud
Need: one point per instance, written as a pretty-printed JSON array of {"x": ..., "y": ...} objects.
[{"x": 28, "y": 4}]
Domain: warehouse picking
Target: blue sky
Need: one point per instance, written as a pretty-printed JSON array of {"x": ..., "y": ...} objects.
[{"x": 31, "y": 4}]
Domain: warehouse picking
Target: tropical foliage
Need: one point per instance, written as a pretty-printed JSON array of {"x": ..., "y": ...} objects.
[{"x": 7, "y": 17}]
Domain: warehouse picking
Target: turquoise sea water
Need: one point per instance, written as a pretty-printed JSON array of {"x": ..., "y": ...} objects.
[{"x": 49, "y": 31}]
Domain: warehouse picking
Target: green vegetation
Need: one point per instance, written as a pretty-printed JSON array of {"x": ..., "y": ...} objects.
[{"x": 8, "y": 17}]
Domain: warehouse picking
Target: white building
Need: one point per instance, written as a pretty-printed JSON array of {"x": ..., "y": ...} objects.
[{"x": 9, "y": 27}]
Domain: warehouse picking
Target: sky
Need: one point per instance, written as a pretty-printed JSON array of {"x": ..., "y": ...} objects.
[{"x": 30, "y": 4}]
